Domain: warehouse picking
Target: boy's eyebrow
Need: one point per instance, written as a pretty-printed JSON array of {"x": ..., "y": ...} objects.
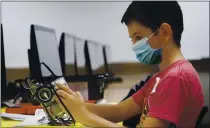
[{"x": 133, "y": 34}]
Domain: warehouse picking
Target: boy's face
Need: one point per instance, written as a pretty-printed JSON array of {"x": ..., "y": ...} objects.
[{"x": 138, "y": 31}]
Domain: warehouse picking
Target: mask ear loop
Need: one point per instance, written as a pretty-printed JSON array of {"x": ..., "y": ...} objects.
[
  {"x": 153, "y": 33},
  {"x": 162, "y": 46}
]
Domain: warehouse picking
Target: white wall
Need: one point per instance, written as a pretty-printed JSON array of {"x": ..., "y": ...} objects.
[
  {"x": 195, "y": 38},
  {"x": 97, "y": 21}
]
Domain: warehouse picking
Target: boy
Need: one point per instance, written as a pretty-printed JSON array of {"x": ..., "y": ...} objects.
[{"x": 173, "y": 96}]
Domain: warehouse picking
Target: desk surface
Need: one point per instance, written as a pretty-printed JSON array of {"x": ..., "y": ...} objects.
[{"x": 12, "y": 123}]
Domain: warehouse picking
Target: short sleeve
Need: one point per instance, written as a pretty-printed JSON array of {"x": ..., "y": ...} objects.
[
  {"x": 139, "y": 96},
  {"x": 169, "y": 100}
]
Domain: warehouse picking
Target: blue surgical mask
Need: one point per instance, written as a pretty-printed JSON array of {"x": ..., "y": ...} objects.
[{"x": 145, "y": 54}]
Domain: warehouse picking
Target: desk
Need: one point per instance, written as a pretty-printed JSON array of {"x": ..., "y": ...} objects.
[{"x": 12, "y": 123}]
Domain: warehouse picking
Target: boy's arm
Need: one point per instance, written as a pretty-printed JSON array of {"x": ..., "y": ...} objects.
[
  {"x": 76, "y": 105},
  {"x": 119, "y": 112},
  {"x": 115, "y": 113}
]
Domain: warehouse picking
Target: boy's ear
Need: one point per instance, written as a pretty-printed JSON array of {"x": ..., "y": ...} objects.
[{"x": 165, "y": 32}]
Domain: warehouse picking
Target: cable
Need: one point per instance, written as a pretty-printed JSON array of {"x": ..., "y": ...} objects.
[
  {"x": 48, "y": 68},
  {"x": 63, "y": 104},
  {"x": 61, "y": 121}
]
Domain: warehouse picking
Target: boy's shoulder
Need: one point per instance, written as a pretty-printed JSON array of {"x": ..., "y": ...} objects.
[{"x": 182, "y": 69}]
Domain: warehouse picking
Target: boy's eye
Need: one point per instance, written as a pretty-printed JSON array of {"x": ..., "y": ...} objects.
[
  {"x": 131, "y": 40},
  {"x": 138, "y": 38}
]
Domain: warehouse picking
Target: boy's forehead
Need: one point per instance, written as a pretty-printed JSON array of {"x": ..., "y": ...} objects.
[
  {"x": 134, "y": 27},
  {"x": 133, "y": 24}
]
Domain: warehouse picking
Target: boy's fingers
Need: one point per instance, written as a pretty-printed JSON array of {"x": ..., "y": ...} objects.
[
  {"x": 63, "y": 94},
  {"x": 65, "y": 88},
  {"x": 79, "y": 94}
]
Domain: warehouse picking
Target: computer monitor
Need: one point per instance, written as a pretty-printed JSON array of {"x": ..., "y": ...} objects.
[
  {"x": 3, "y": 68},
  {"x": 107, "y": 65},
  {"x": 95, "y": 53},
  {"x": 100, "y": 59},
  {"x": 72, "y": 56},
  {"x": 44, "y": 49},
  {"x": 107, "y": 58},
  {"x": 68, "y": 54},
  {"x": 31, "y": 63},
  {"x": 80, "y": 56}
]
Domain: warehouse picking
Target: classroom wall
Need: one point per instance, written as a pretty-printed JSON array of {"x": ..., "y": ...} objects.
[{"x": 99, "y": 21}]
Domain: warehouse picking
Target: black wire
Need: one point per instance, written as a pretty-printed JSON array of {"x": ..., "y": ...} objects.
[
  {"x": 57, "y": 94},
  {"x": 63, "y": 104},
  {"x": 52, "y": 120},
  {"x": 63, "y": 121},
  {"x": 70, "y": 121},
  {"x": 48, "y": 68},
  {"x": 16, "y": 97}
]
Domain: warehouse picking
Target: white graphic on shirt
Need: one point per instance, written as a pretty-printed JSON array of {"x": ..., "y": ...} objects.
[
  {"x": 154, "y": 89},
  {"x": 156, "y": 84},
  {"x": 147, "y": 105}
]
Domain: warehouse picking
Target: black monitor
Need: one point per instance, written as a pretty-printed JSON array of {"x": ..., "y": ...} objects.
[
  {"x": 32, "y": 64},
  {"x": 72, "y": 55},
  {"x": 107, "y": 65},
  {"x": 44, "y": 49},
  {"x": 80, "y": 56},
  {"x": 96, "y": 59},
  {"x": 67, "y": 54},
  {"x": 3, "y": 68},
  {"x": 107, "y": 58}
]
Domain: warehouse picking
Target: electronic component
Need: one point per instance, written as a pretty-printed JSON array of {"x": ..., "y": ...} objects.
[{"x": 45, "y": 93}]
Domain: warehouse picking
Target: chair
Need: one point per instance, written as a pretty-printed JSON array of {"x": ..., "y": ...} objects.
[
  {"x": 201, "y": 116},
  {"x": 199, "y": 120}
]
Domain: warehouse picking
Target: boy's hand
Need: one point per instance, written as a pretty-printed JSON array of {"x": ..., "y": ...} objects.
[
  {"x": 73, "y": 101},
  {"x": 76, "y": 105},
  {"x": 65, "y": 88}
]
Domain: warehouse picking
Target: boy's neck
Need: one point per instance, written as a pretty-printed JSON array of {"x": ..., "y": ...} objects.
[{"x": 170, "y": 54}]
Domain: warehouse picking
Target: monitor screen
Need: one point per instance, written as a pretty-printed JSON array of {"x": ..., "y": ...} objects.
[
  {"x": 96, "y": 57},
  {"x": 108, "y": 54},
  {"x": 74, "y": 47},
  {"x": 48, "y": 50},
  {"x": 80, "y": 56},
  {"x": 108, "y": 57},
  {"x": 100, "y": 59},
  {"x": 69, "y": 54}
]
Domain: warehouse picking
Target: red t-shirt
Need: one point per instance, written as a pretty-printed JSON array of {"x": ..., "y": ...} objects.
[{"x": 174, "y": 95}]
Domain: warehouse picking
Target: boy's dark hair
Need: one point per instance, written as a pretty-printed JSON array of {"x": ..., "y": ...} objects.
[{"x": 153, "y": 13}]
